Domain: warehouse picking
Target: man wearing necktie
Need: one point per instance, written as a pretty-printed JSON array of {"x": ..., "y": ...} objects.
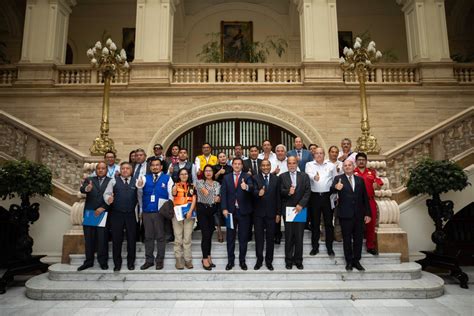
[
  {"x": 302, "y": 155},
  {"x": 253, "y": 163},
  {"x": 236, "y": 199},
  {"x": 353, "y": 211},
  {"x": 140, "y": 163}
]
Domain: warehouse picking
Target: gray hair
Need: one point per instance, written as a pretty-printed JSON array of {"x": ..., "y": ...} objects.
[{"x": 280, "y": 146}]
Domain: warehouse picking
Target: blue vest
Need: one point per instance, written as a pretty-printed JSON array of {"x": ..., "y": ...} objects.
[
  {"x": 125, "y": 196},
  {"x": 159, "y": 189}
]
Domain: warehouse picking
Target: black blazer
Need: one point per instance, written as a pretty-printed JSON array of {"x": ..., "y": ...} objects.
[
  {"x": 229, "y": 194},
  {"x": 95, "y": 198},
  {"x": 351, "y": 204},
  {"x": 269, "y": 204},
  {"x": 302, "y": 192},
  {"x": 248, "y": 165}
]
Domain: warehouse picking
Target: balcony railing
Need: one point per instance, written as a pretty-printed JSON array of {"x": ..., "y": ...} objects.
[
  {"x": 393, "y": 73},
  {"x": 85, "y": 75},
  {"x": 8, "y": 74},
  {"x": 464, "y": 73}
]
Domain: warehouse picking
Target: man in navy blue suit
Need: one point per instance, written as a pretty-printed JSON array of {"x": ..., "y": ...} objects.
[
  {"x": 302, "y": 155},
  {"x": 236, "y": 199},
  {"x": 267, "y": 212}
]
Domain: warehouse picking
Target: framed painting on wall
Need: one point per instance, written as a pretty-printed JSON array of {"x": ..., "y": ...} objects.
[{"x": 236, "y": 38}]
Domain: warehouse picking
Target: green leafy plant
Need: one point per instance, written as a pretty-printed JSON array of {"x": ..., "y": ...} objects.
[
  {"x": 25, "y": 179},
  {"x": 211, "y": 50},
  {"x": 434, "y": 177},
  {"x": 388, "y": 55}
]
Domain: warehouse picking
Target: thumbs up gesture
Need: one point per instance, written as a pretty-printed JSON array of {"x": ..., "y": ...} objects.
[
  {"x": 316, "y": 177},
  {"x": 89, "y": 186},
  {"x": 244, "y": 185},
  {"x": 111, "y": 199},
  {"x": 339, "y": 185},
  {"x": 292, "y": 190},
  {"x": 140, "y": 182},
  {"x": 174, "y": 191},
  {"x": 262, "y": 191},
  {"x": 277, "y": 170}
]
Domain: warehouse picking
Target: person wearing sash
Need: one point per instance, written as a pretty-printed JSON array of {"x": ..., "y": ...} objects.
[
  {"x": 346, "y": 152},
  {"x": 184, "y": 195},
  {"x": 207, "y": 158},
  {"x": 208, "y": 197},
  {"x": 95, "y": 236},
  {"x": 154, "y": 190}
]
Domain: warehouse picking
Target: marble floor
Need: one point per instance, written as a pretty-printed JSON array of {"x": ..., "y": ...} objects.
[{"x": 456, "y": 301}]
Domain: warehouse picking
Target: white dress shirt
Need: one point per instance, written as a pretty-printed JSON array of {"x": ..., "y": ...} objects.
[
  {"x": 294, "y": 178},
  {"x": 351, "y": 157},
  {"x": 272, "y": 157},
  {"x": 326, "y": 171},
  {"x": 351, "y": 180}
]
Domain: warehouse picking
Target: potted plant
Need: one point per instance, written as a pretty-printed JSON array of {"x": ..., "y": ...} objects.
[
  {"x": 24, "y": 179},
  {"x": 433, "y": 178}
]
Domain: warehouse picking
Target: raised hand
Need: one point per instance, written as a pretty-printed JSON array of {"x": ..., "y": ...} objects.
[
  {"x": 339, "y": 185},
  {"x": 140, "y": 182},
  {"x": 225, "y": 213},
  {"x": 111, "y": 199},
  {"x": 262, "y": 191},
  {"x": 316, "y": 177},
  {"x": 205, "y": 191},
  {"x": 277, "y": 170},
  {"x": 89, "y": 186},
  {"x": 244, "y": 185},
  {"x": 367, "y": 219},
  {"x": 174, "y": 191},
  {"x": 292, "y": 190}
]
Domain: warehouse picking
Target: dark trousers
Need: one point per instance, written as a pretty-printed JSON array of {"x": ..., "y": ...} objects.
[
  {"x": 321, "y": 204},
  {"x": 206, "y": 216},
  {"x": 352, "y": 236},
  {"x": 154, "y": 224},
  {"x": 96, "y": 238},
  {"x": 241, "y": 227},
  {"x": 119, "y": 221},
  {"x": 264, "y": 233},
  {"x": 294, "y": 233}
]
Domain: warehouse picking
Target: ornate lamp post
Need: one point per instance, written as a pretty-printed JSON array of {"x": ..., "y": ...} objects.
[
  {"x": 359, "y": 60},
  {"x": 108, "y": 61}
]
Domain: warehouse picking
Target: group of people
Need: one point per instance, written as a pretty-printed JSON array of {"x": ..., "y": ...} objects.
[{"x": 250, "y": 196}]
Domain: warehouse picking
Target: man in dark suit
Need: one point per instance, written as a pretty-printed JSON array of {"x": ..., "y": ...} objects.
[
  {"x": 295, "y": 190},
  {"x": 300, "y": 153},
  {"x": 267, "y": 212},
  {"x": 236, "y": 198},
  {"x": 94, "y": 236},
  {"x": 353, "y": 211},
  {"x": 252, "y": 164}
]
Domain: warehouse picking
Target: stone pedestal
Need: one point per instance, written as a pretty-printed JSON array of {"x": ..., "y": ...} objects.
[
  {"x": 392, "y": 240},
  {"x": 437, "y": 73},
  {"x": 35, "y": 74},
  {"x": 322, "y": 73},
  {"x": 72, "y": 244},
  {"x": 150, "y": 73}
]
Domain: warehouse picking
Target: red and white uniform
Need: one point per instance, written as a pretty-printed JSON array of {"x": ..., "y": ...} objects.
[{"x": 370, "y": 177}]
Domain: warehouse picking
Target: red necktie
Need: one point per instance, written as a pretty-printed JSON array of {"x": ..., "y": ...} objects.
[{"x": 236, "y": 182}]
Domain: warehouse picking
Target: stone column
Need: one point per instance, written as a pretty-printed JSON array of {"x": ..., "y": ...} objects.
[
  {"x": 319, "y": 40},
  {"x": 427, "y": 39},
  {"x": 153, "y": 41},
  {"x": 44, "y": 40}
]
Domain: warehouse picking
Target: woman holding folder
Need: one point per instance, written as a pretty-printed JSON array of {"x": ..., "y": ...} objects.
[
  {"x": 184, "y": 200},
  {"x": 208, "y": 193}
]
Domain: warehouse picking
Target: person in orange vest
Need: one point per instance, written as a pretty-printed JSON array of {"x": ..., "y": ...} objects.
[
  {"x": 372, "y": 182},
  {"x": 207, "y": 158}
]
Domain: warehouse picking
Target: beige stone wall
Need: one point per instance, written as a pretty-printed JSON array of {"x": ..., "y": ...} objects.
[{"x": 396, "y": 114}]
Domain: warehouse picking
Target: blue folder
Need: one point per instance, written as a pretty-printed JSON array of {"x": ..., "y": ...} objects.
[
  {"x": 185, "y": 210},
  {"x": 91, "y": 220},
  {"x": 298, "y": 218},
  {"x": 229, "y": 221}
]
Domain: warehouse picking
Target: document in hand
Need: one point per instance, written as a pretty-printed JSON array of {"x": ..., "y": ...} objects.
[
  {"x": 181, "y": 210},
  {"x": 91, "y": 220},
  {"x": 229, "y": 221},
  {"x": 292, "y": 216}
]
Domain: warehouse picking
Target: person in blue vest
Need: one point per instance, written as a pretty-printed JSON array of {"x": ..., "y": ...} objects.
[
  {"x": 154, "y": 190},
  {"x": 121, "y": 195}
]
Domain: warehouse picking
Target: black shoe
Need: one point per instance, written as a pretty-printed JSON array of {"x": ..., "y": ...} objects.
[
  {"x": 104, "y": 266},
  {"x": 331, "y": 253},
  {"x": 358, "y": 266},
  {"x": 314, "y": 252},
  {"x": 299, "y": 266},
  {"x": 289, "y": 266},
  {"x": 373, "y": 252},
  {"x": 84, "y": 266},
  {"x": 257, "y": 266},
  {"x": 116, "y": 269},
  {"x": 208, "y": 268},
  {"x": 229, "y": 266},
  {"x": 159, "y": 265},
  {"x": 277, "y": 241},
  {"x": 348, "y": 267},
  {"x": 243, "y": 266},
  {"x": 269, "y": 266},
  {"x": 308, "y": 227},
  {"x": 213, "y": 265},
  {"x": 146, "y": 265},
  {"x": 131, "y": 267}
]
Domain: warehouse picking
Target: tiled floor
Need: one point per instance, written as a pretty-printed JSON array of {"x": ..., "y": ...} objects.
[{"x": 456, "y": 301}]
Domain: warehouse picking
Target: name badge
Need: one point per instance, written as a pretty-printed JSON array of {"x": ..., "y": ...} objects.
[
  {"x": 152, "y": 198},
  {"x": 163, "y": 185}
]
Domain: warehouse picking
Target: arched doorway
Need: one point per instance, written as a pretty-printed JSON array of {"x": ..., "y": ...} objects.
[{"x": 223, "y": 135}]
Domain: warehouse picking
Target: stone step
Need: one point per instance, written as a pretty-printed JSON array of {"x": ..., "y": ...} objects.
[
  {"x": 41, "y": 287},
  {"x": 403, "y": 271},
  {"x": 220, "y": 258}
]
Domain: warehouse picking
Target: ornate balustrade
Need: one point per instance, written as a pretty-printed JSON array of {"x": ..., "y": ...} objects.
[
  {"x": 464, "y": 73},
  {"x": 84, "y": 75},
  {"x": 393, "y": 73},
  {"x": 8, "y": 74}
]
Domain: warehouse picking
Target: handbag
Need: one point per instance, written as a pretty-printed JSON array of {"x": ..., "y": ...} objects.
[{"x": 167, "y": 210}]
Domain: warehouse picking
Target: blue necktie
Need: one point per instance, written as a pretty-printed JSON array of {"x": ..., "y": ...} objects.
[{"x": 266, "y": 180}]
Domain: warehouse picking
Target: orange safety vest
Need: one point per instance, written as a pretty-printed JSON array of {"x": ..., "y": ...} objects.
[{"x": 184, "y": 193}]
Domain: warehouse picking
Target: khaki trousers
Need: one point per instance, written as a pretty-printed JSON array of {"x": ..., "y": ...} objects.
[{"x": 183, "y": 231}]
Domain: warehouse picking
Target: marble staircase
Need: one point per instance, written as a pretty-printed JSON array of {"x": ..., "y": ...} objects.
[{"x": 323, "y": 277}]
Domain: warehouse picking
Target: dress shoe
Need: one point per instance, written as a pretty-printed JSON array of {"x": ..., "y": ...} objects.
[
  {"x": 104, "y": 266},
  {"x": 373, "y": 252},
  {"x": 289, "y": 266},
  {"x": 131, "y": 267},
  {"x": 358, "y": 266},
  {"x": 229, "y": 266},
  {"x": 257, "y": 266},
  {"x": 159, "y": 266},
  {"x": 84, "y": 266},
  {"x": 116, "y": 269},
  {"x": 243, "y": 266},
  {"x": 299, "y": 266},
  {"x": 349, "y": 267},
  {"x": 208, "y": 268},
  {"x": 331, "y": 253},
  {"x": 269, "y": 266},
  {"x": 314, "y": 252},
  {"x": 146, "y": 265}
]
